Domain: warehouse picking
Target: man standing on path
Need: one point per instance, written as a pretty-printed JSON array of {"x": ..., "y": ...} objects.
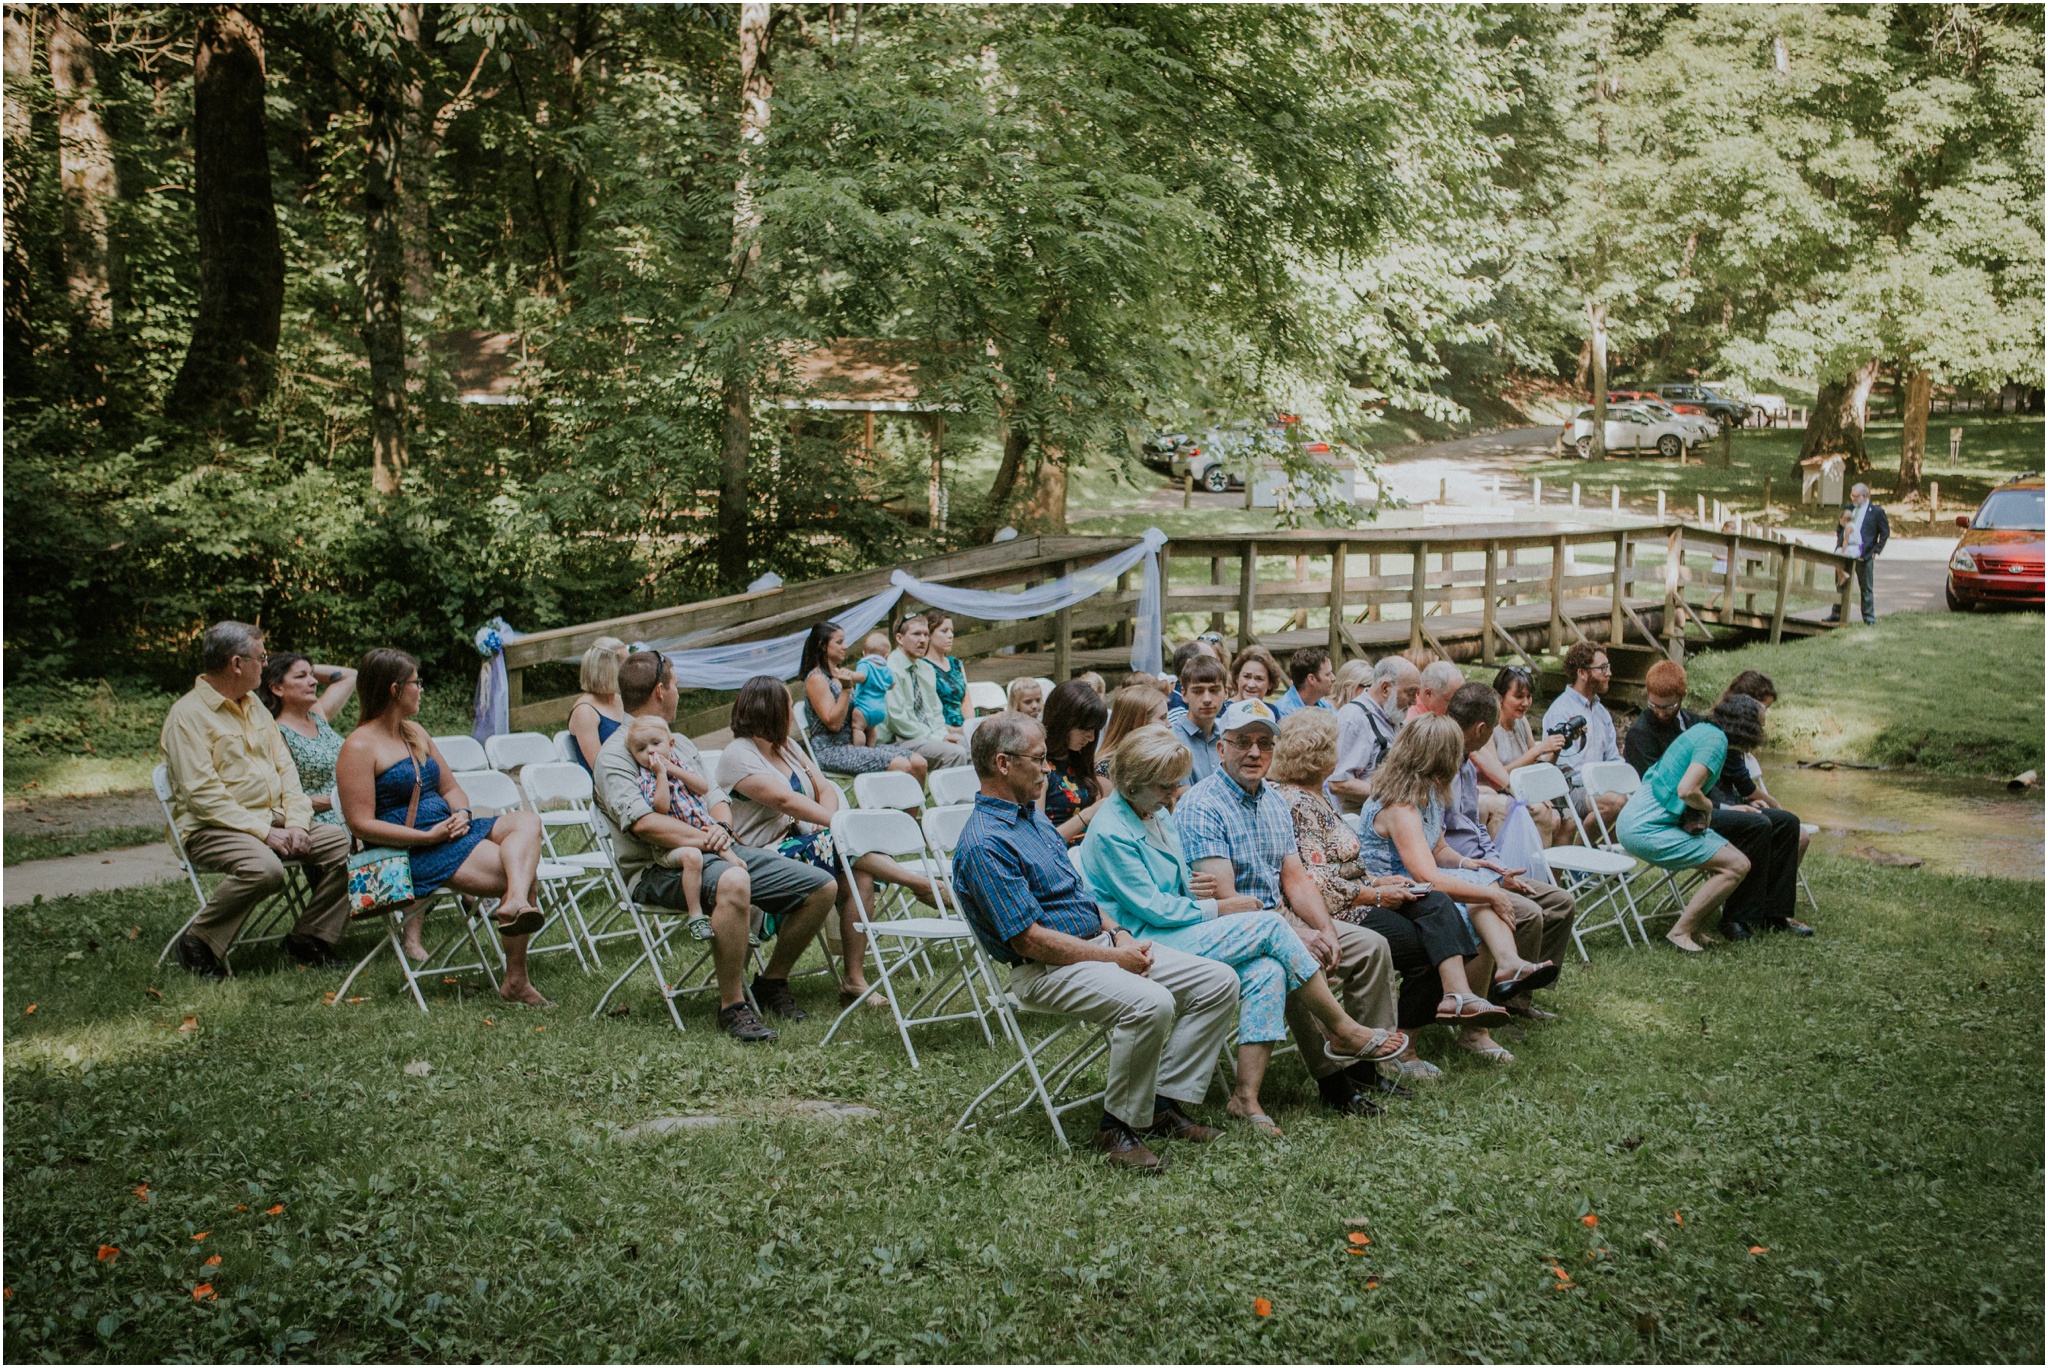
[{"x": 1862, "y": 537}]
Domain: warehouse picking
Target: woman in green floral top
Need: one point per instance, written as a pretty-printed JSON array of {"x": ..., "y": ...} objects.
[{"x": 305, "y": 699}]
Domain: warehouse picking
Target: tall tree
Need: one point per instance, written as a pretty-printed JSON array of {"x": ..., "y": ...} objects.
[
  {"x": 230, "y": 364},
  {"x": 85, "y": 169},
  {"x": 17, "y": 165},
  {"x": 390, "y": 98},
  {"x": 756, "y": 89}
]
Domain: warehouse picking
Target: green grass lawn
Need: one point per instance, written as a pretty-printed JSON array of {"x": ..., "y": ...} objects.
[
  {"x": 1850, "y": 1129},
  {"x": 1953, "y": 693}
]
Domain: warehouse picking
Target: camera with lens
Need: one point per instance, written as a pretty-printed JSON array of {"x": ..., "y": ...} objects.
[{"x": 1572, "y": 729}]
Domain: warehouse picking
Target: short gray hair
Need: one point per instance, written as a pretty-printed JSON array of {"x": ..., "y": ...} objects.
[
  {"x": 1000, "y": 733},
  {"x": 224, "y": 641},
  {"x": 1442, "y": 678},
  {"x": 1391, "y": 668}
]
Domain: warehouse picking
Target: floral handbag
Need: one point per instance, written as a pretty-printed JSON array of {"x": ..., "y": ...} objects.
[{"x": 380, "y": 877}]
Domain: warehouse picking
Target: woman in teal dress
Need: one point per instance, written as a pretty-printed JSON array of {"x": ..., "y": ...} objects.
[
  {"x": 952, "y": 679},
  {"x": 1665, "y": 822},
  {"x": 1131, "y": 859},
  {"x": 305, "y": 699}
]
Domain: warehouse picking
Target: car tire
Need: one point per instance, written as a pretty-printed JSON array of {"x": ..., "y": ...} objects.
[
  {"x": 1955, "y": 605},
  {"x": 1216, "y": 480},
  {"x": 1670, "y": 447},
  {"x": 1584, "y": 447}
]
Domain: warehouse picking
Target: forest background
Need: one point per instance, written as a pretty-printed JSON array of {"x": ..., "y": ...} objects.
[{"x": 248, "y": 249}]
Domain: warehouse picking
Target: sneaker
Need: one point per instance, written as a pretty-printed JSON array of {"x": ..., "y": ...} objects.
[
  {"x": 311, "y": 951},
  {"x": 699, "y": 927},
  {"x": 739, "y": 1022},
  {"x": 774, "y": 996},
  {"x": 195, "y": 956}
]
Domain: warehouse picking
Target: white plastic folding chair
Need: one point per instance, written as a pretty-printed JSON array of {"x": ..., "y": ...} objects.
[
  {"x": 888, "y": 789},
  {"x": 561, "y": 795},
  {"x": 492, "y": 792},
  {"x": 1052, "y": 1064},
  {"x": 985, "y": 695},
  {"x": 954, "y": 784},
  {"x": 1671, "y": 888},
  {"x": 709, "y": 760},
  {"x": 1598, "y": 878},
  {"x": 462, "y": 753},
  {"x": 1807, "y": 831},
  {"x": 967, "y": 729},
  {"x": 565, "y": 746},
  {"x": 896, "y": 942},
  {"x": 510, "y": 750},
  {"x": 259, "y": 927}
]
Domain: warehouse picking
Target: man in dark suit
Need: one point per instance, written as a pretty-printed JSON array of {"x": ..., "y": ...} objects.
[{"x": 1862, "y": 534}]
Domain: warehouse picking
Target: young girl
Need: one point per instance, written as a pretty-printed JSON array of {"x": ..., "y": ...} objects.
[
  {"x": 673, "y": 791},
  {"x": 1027, "y": 696},
  {"x": 871, "y": 683}
]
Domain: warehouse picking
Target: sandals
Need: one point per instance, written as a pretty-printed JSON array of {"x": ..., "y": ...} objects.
[
  {"x": 525, "y": 924},
  {"x": 1534, "y": 977},
  {"x": 1385, "y": 1046},
  {"x": 1492, "y": 1054},
  {"x": 1469, "y": 1009},
  {"x": 1263, "y": 1124}
]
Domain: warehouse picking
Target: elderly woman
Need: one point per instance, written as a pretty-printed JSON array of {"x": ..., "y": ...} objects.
[
  {"x": 1132, "y": 861},
  {"x": 1665, "y": 823},
  {"x": 597, "y": 712},
  {"x": 1355, "y": 676},
  {"x": 1401, "y": 830},
  {"x": 1254, "y": 673},
  {"x": 1429, "y": 941}
]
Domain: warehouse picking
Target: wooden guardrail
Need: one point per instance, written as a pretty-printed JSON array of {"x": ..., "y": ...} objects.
[{"x": 1477, "y": 593}]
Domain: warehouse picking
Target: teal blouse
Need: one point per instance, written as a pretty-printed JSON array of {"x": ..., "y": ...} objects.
[
  {"x": 1701, "y": 743},
  {"x": 1138, "y": 876}
]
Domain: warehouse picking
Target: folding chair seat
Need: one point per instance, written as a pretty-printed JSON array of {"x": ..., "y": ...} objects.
[
  {"x": 985, "y": 695},
  {"x": 1671, "y": 887},
  {"x": 462, "y": 753},
  {"x": 510, "y": 750},
  {"x": 888, "y": 789},
  {"x": 953, "y": 785},
  {"x": 887, "y": 831},
  {"x": 1599, "y": 878},
  {"x": 492, "y": 792},
  {"x": 270, "y": 921}
]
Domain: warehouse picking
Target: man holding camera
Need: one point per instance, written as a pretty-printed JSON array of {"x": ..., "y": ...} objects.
[{"x": 1587, "y": 727}]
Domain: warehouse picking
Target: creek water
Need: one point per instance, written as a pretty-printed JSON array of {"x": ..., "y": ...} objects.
[{"x": 1958, "y": 826}]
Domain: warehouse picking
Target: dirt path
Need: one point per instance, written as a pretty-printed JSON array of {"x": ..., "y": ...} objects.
[{"x": 72, "y": 816}]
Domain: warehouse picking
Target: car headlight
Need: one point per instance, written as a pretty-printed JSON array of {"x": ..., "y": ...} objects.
[{"x": 1963, "y": 561}]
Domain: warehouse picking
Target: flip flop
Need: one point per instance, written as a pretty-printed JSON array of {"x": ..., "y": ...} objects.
[
  {"x": 1390, "y": 1043},
  {"x": 1263, "y": 1123},
  {"x": 1488, "y": 1014},
  {"x": 1536, "y": 976},
  {"x": 1492, "y": 1054},
  {"x": 525, "y": 924}
]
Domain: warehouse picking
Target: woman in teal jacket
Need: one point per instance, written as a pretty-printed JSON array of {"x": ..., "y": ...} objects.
[{"x": 1131, "y": 859}]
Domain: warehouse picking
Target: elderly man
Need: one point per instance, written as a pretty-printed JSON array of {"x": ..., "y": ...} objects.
[
  {"x": 1366, "y": 727},
  {"x": 796, "y": 897},
  {"x": 1237, "y": 831},
  {"x": 239, "y": 809},
  {"x": 1169, "y": 1012},
  {"x": 1586, "y": 665},
  {"x": 1862, "y": 536},
  {"x": 1542, "y": 912},
  {"x": 1313, "y": 677},
  {"x": 1437, "y": 683},
  {"x": 1203, "y": 683}
]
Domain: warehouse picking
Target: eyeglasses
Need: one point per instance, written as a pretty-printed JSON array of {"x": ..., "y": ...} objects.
[
  {"x": 1038, "y": 759},
  {"x": 1600, "y": 669},
  {"x": 1670, "y": 707},
  {"x": 1250, "y": 744}
]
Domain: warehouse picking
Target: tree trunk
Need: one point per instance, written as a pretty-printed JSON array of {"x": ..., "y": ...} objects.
[
  {"x": 231, "y": 362},
  {"x": 85, "y": 169},
  {"x": 1016, "y": 441},
  {"x": 384, "y": 281},
  {"x": 1596, "y": 315},
  {"x": 417, "y": 156},
  {"x": 1836, "y": 428},
  {"x": 16, "y": 164},
  {"x": 756, "y": 87},
  {"x": 1913, "y": 441},
  {"x": 1044, "y": 509}
]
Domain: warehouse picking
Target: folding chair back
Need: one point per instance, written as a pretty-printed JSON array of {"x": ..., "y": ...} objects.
[
  {"x": 876, "y": 831},
  {"x": 1608, "y": 776},
  {"x": 709, "y": 760},
  {"x": 160, "y": 780},
  {"x": 462, "y": 752},
  {"x": 491, "y": 791},
  {"x": 953, "y": 784},
  {"x": 985, "y": 695},
  {"x": 565, "y": 746},
  {"x": 1600, "y": 876},
  {"x": 511, "y": 750},
  {"x": 943, "y": 825},
  {"x": 557, "y": 785},
  {"x": 1535, "y": 784},
  {"x": 888, "y": 789},
  {"x": 967, "y": 732}
]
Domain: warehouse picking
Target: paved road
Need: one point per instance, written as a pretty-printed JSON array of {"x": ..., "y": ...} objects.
[{"x": 109, "y": 869}]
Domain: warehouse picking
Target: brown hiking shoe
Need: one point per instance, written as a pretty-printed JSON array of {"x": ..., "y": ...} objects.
[
  {"x": 1171, "y": 1123},
  {"x": 1121, "y": 1149},
  {"x": 739, "y": 1022}
]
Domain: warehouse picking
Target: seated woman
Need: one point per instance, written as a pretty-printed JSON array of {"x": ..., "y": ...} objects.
[
  {"x": 390, "y": 767},
  {"x": 782, "y": 802},
  {"x": 1402, "y": 832},
  {"x": 1073, "y": 719},
  {"x": 1514, "y": 746},
  {"x": 916, "y": 719},
  {"x": 948, "y": 676},
  {"x": 1665, "y": 822},
  {"x": 1133, "y": 863},
  {"x": 1253, "y": 672},
  {"x": 305, "y": 699},
  {"x": 1427, "y": 938},
  {"x": 838, "y": 729},
  {"x": 1131, "y": 707},
  {"x": 597, "y": 712}
]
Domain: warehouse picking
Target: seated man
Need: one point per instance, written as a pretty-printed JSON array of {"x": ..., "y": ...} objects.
[
  {"x": 1586, "y": 665},
  {"x": 1767, "y": 834},
  {"x": 1437, "y": 682},
  {"x": 795, "y": 897},
  {"x": 1238, "y": 831},
  {"x": 1366, "y": 727},
  {"x": 239, "y": 809},
  {"x": 1313, "y": 677},
  {"x": 1203, "y": 684},
  {"x": 1171, "y": 1012},
  {"x": 1542, "y": 912}
]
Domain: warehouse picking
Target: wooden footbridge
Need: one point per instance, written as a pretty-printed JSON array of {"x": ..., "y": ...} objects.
[{"x": 1468, "y": 594}]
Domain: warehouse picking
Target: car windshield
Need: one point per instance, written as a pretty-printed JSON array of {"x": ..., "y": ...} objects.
[{"x": 2010, "y": 510}]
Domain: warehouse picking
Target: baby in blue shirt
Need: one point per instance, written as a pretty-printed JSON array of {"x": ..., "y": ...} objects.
[{"x": 875, "y": 677}]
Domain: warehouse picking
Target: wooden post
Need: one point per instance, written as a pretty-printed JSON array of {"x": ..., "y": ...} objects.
[
  {"x": 1933, "y": 502},
  {"x": 1728, "y": 579},
  {"x": 1556, "y": 595},
  {"x": 1187, "y": 491},
  {"x": 1767, "y": 493},
  {"x": 1247, "y": 581},
  {"x": 1120, "y": 635},
  {"x": 1674, "y": 622},
  {"x": 1216, "y": 579},
  {"x": 1063, "y": 638},
  {"x": 1784, "y": 592},
  {"x": 1660, "y": 505},
  {"x": 1418, "y": 573},
  {"x": 515, "y": 690},
  {"x": 1372, "y": 568},
  {"x": 1337, "y": 550},
  {"x": 1849, "y": 588},
  {"x": 1486, "y": 609},
  {"x": 1614, "y": 628}
]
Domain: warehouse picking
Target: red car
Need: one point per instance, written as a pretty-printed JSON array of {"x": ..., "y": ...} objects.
[{"x": 1999, "y": 559}]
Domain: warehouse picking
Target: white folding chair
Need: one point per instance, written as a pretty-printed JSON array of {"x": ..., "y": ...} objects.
[
  {"x": 985, "y": 695},
  {"x": 1598, "y": 878},
  {"x": 561, "y": 795},
  {"x": 888, "y": 789},
  {"x": 1045, "y": 686},
  {"x": 565, "y": 746},
  {"x": 256, "y": 928},
  {"x": 967, "y": 729},
  {"x": 1052, "y": 1066},
  {"x": 510, "y": 750},
  {"x": 492, "y": 792},
  {"x": 886, "y": 831},
  {"x": 462, "y": 753},
  {"x": 440, "y": 962},
  {"x": 709, "y": 760},
  {"x": 1671, "y": 887},
  {"x": 954, "y": 784},
  {"x": 1807, "y": 831}
]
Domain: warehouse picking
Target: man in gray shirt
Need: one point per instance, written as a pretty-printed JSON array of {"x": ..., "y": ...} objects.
[
  {"x": 795, "y": 897},
  {"x": 1366, "y": 727}
]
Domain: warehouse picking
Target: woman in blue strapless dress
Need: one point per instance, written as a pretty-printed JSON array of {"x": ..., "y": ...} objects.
[
  {"x": 597, "y": 711},
  {"x": 489, "y": 857}
]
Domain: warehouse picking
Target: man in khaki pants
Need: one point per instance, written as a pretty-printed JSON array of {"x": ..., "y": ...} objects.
[{"x": 239, "y": 810}]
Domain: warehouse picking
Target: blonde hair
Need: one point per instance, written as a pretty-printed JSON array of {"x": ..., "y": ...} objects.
[
  {"x": 1019, "y": 685},
  {"x": 600, "y": 676},
  {"x": 1095, "y": 682},
  {"x": 875, "y": 643},
  {"x": 1307, "y": 749},
  {"x": 1356, "y": 675},
  {"x": 1130, "y": 708},
  {"x": 643, "y": 729},
  {"x": 1149, "y": 756},
  {"x": 1421, "y": 764}
]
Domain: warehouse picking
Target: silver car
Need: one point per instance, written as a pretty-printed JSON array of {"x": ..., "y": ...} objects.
[{"x": 1631, "y": 427}]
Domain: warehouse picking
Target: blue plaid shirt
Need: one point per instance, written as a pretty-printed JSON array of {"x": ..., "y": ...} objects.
[
  {"x": 1012, "y": 871},
  {"x": 1254, "y": 831}
]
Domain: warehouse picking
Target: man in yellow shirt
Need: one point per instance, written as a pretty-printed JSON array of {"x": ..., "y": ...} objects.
[{"x": 239, "y": 810}]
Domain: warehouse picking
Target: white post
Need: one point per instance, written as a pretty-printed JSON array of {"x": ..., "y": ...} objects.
[
  {"x": 1536, "y": 499},
  {"x": 1575, "y": 493},
  {"x": 1660, "y": 505},
  {"x": 1701, "y": 516},
  {"x": 1614, "y": 499}
]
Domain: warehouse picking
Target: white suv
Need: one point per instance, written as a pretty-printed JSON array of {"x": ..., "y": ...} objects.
[{"x": 1631, "y": 427}]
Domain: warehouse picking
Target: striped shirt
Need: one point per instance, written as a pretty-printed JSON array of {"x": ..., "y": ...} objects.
[{"x": 1012, "y": 871}]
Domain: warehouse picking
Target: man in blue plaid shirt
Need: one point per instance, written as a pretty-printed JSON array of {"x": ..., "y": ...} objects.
[
  {"x": 1237, "y": 829},
  {"x": 1170, "y": 1012}
]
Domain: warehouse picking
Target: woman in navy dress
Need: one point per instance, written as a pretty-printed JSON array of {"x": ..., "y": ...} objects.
[
  {"x": 597, "y": 712},
  {"x": 489, "y": 857}
]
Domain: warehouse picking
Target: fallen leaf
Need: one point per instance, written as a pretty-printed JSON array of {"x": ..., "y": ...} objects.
[
  {"x": 6, "y": 1294},
  {"x": 213, "y": 1262},
  {"x": 29, "y": 1010},
  {"x": 1261, "y": 1307},
  {"x": 1375, "y": 1282},
  {"x": 188, "y": 1026},
  {"x": 489, "y": 1022},
  {"x": 538, "y": 1029},
  {"x": 419, "y": 1068},
  {"x": 203, "y": 1292},
  {"x": 155, "y": 993},
  {"x": 109, "y": 1253},
  {"x": 1359, "y": 1237},
  {"x": 142, "y": 1192},
  {"x": 241, "y": 1208},
  {"x": 202, "y": 1234},
  {"x": 1758, "y": 1249},
  {"x": 277, "y": 1210},
  {"x": 1678, "y": 1217},
  {"x": 1589, "y": 1220},
  {"x": 133, "y": 932},
  {"x": 359, "y": 999}
]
